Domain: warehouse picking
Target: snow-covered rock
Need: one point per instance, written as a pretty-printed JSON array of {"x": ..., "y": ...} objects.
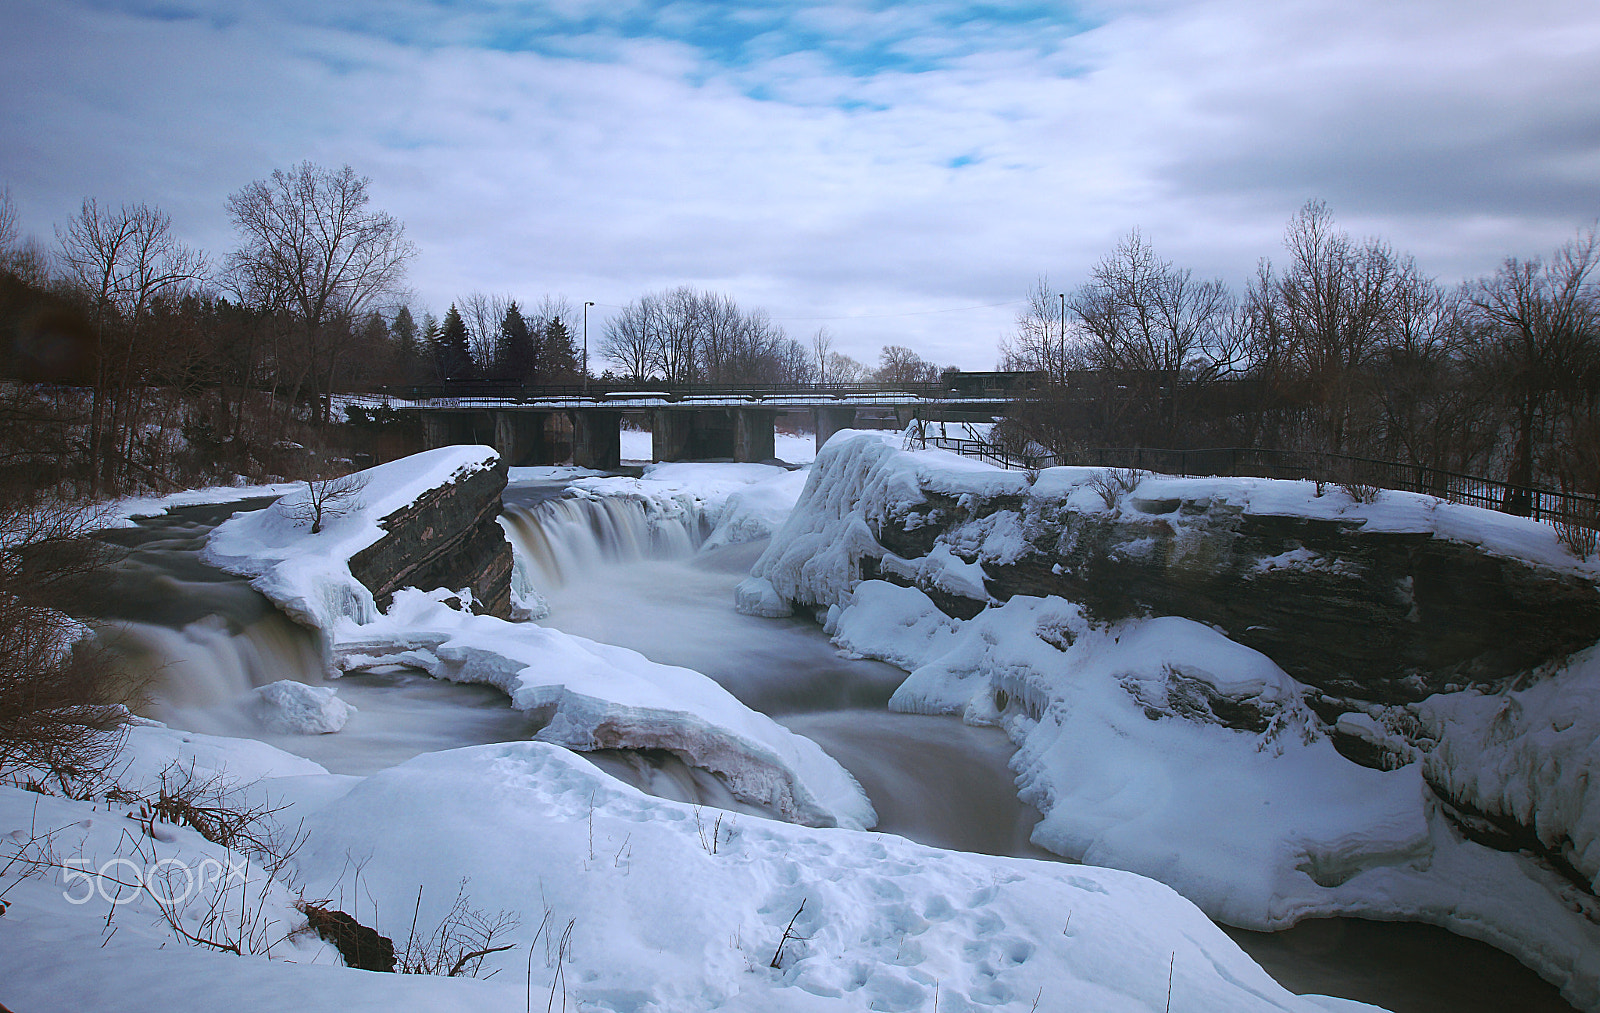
[
  {"x": 596, "y": 696},
  {"x": 310, "y": 576},
  {"x": 755, "y": 596},
  {"x": 1155, "y": 743},
  {"x": 294, "y": 707}
]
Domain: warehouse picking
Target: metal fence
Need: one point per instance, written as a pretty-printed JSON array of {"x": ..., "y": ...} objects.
[{"x": 1333, "y": 469}]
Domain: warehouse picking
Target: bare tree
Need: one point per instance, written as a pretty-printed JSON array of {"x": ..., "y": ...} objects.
[
  {"x": 8, "y": 225},
  {"x": 122, "y": 260},
  {"x": 312, "y": 246},
  {"x": 1045, "y": 341},
  {"x": 629, "y": 339},
  {"x": 1152, "y": 324},
  {"x": 684, "y": 336},
  {"x": 1324, "y": 319},
  {"x": 899, "y": 364},
  {"x": 483, "y": 315},
  {"x": 1541, "y": 343},
  {"x": 822, "y": 344},
  {"x": 843, "y": 369}
]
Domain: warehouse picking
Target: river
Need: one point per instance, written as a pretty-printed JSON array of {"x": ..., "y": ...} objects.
[{"x": 207, "y": 638}]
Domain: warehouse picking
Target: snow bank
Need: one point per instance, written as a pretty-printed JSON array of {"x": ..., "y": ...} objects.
[
  {"x": 645, "y": 904},
  {"x": 1393, "y": 512},
  {"x": 1123, "y": 749},
  {"x": 662, "y": 917},
  {"x": 123, "y": 512},
  {"x": 1162, "y": 747},
  {"x": 309, "y": 575},
  {"x": 757, "y": 510},
  {"x": 601, "y": 697}
]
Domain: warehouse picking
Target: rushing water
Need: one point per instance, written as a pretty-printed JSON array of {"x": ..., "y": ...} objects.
[{"x": 611, "y": 575}]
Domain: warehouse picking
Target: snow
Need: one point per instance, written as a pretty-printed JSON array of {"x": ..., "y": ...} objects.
[
  {"x": 757, "y": 510},
  {"x": 814, "y": 557},
  {"x": 307, "y": 575},
  {"x": 1259, "y": 829},
  {"x": 1123, "y": 732},
  {"x": 1394, "y": 512},
  {"x": 756, "y": 597},
  {"x": 636, "y": 444},
  {"x": 122, "y": 512},
  {"x": 597, "y": 696},
  {"x": 1529, "y": 754},
  {"x": 795, "y": 448},
  {"x": 603, "y": 697},
  {"x": 294, "y": 707},
  {"x": 624, "y": 902}
]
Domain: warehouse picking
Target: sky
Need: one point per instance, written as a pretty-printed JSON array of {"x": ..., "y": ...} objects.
[{"x": 899, "y": 173}]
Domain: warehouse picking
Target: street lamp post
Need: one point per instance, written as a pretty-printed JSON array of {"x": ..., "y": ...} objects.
[
  {"x": 1062, "y": 351},
  {"x": 586, "y": 348}
]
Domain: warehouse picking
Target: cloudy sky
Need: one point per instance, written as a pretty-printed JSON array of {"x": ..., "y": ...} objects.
[{"x": 896, "y": 172}]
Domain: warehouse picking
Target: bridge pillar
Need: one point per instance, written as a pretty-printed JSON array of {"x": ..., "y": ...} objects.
[
  {"x": 830, "y": 420},
  {"x": 455, "y": 428},
  {"x": 519, "y": 437},
  {"x": 753, "y": 438},
  {"x": 435, "y": 430},
  {"x": 713, "y": 436},
  {"x": 670, "y": 435},
  {"x": 596, "y": 438}
]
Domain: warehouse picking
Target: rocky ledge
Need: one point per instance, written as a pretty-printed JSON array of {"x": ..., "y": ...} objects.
[{"x": 449, "y": 537}]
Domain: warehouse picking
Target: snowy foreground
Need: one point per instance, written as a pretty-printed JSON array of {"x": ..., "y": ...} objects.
[
  {"x": 1259, "y": 829},
  {"x": 609, "y": 898},
  {"x": 622, "y": 901}
]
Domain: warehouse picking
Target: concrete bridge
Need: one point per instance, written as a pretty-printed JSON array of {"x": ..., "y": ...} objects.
[{"x": 545, "y": 425}]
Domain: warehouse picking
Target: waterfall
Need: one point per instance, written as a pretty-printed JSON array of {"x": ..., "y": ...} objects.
[
  {"x": 559, "y": 539},
  {"x": 208, "y": 663}
]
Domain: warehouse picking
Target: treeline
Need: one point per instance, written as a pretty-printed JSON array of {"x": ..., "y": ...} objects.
[
  {"x": 685, "y": 336},
  {"x": 1345, "y": 348},
  {"x": 137, "y": 361}
]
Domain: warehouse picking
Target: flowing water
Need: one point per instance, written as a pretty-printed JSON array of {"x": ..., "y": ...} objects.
[{"x": 612, "y": 575}]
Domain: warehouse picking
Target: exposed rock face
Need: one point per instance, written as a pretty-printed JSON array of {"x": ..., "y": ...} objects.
[
  {"x": 1387, "y": 618},
  {"x": 448, "y": 538}
]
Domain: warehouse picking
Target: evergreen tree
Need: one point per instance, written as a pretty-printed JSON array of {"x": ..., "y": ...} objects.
[
  {"x": 411, "y": 366},
  {"x": 516, "y": 353},
  {"x": 560, "y": 360},
  {"x": 452, "y": 355},
  {"x": 431, "y": 354}
]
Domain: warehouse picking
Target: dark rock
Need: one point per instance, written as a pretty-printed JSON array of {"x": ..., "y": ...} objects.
[
  {"x": 362, "y": 948},
  {"x": 448, "y": 538},
  {"x": 1382, "y": 617}
]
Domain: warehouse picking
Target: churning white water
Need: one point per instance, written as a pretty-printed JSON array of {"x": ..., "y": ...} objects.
[{"x": 564, "y": 538}]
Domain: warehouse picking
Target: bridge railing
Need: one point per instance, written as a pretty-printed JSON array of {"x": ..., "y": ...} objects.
[
  {"x": 1561, "y": 508},
  {"x": 603, "y": 390}
]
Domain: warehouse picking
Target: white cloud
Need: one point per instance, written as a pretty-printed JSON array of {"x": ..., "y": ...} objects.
[{"x": 1463, "y": 132}]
